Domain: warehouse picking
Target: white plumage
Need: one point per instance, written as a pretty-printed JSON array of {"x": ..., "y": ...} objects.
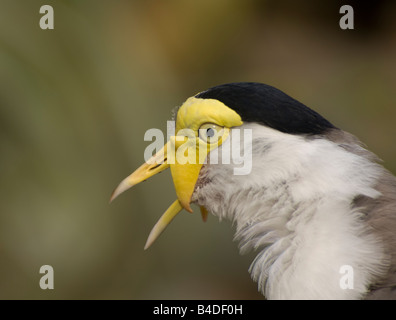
[{"x": 295, "y": 210}]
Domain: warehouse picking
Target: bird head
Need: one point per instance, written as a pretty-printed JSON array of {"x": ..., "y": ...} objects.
[{"x": 203, "y": 124}]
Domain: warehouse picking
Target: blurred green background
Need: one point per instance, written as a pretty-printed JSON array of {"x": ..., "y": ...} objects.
[{"x": 76, "y": 101}]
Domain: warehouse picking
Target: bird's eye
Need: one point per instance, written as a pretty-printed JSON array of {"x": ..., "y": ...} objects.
[{"x": 210, "y": 132}]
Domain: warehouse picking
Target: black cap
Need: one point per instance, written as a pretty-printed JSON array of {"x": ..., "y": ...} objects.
[{"x": 261, "y": 103}]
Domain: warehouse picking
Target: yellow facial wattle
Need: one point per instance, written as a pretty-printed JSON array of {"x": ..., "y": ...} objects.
[{"x": 202, "y": 125}]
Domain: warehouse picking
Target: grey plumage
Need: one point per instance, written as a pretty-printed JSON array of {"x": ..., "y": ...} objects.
[
  {"x": 275, "y": 218},
  {"x": 380, "y": 214}
]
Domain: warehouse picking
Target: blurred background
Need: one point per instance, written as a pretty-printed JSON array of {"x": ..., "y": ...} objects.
[{"x": 76, "y": 101}]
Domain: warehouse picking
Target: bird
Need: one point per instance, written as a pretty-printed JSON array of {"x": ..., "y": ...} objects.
[{"x": 317, "y": 208}]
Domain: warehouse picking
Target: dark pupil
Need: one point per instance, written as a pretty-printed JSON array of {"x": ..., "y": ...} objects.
[{"x": 210, "y": 132}]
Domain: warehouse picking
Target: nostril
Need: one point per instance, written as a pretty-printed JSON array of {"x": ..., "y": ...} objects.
[{"x": 156, "y": 166}]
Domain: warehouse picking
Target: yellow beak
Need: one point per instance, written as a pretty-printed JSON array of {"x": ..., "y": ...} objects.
[{"x": 184, "y": 177}]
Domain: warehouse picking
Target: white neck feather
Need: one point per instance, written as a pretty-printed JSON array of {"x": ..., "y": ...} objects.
[{"x": 295, "y": 209}]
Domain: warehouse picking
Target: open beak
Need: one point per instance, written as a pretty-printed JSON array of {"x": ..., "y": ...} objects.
[{"x": 184, "y": 177}]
